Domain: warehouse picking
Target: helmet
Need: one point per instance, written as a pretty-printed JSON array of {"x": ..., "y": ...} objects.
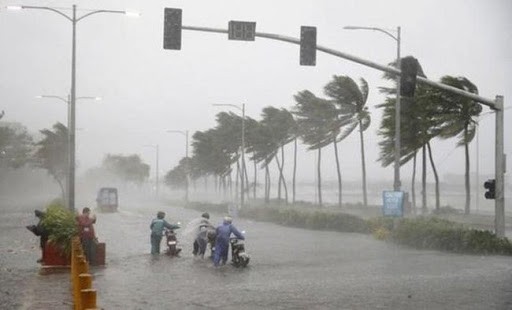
[
  {"x": 228, "y": 219},
  {"x": 160, "y": 214},
  {"x": 205, "y": 215}
]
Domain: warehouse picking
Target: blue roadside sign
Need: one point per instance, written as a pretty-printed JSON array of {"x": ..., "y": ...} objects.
[{"x": 393, "y": 203}]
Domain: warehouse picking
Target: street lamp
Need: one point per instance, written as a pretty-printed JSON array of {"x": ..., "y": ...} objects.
[
  {"x": 67, "y": 101},
  {"x": 396, "y": 182},
  {"x": 187, "y": 166},
  {"x": 157, "y": 152},
  {"x": 242, "y": 109},
  {"x": 74, "y": 20}
]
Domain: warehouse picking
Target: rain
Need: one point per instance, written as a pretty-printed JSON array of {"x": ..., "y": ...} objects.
[{"x": 241, "y": 110}]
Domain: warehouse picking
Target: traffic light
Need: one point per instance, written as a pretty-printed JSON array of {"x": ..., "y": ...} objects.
[
  {"x": 172, "y": 29},
  {"x": 490, "y": 186},
  {"x": 242, "y": 31},
  {"x": 409, "y": 70},
  {"x": 307, "y": 46}
]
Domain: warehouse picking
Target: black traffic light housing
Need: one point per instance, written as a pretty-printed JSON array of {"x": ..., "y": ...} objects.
[
  {"x": 409, "y": 70},
  {"x": 490, "y": 186},
  {"x": 172, "y": 29},
  {"x": 307, "y": 46}
]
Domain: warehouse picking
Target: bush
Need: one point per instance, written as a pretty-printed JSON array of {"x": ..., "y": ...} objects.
[
  {"x": 61, "y": 225},
  {"x": 439, "y": 234},
  {"x": 423, "y": 232}
]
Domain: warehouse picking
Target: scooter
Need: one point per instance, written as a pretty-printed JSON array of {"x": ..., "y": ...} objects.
[
  {"x": 172, "y": 243},
  {"x": 239, "y": 258}
]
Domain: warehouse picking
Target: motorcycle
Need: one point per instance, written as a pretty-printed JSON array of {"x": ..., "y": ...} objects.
[
  {"x": 239, "y": 258},
  {"x": 172, "y": 242}
]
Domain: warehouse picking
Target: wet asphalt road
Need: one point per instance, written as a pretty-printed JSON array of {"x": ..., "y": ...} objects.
[{"x": 289, "y": 269}]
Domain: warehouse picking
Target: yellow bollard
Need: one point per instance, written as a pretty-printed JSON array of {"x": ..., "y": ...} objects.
[
  {"x": 81, "y": 268},
  {"x": 88, "y": 297},
  {"x": 85, "y": 281}
]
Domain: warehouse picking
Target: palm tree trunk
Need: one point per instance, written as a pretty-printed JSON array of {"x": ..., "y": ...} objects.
[
  {"x": 237, "y": 178},
  {"x": 216, "y": 184},
  {"x": 337, "y": 169},
  {"x": 230, "y": 186},
  {"x": 281, "y": 179},
  {"x": 255, "y": 179},
  {"x": 62, "y": 190},
  {"x": 267, "y": 183},
  {"x": 438, "y": 204},
  {"x": 294, "y": 167},
  {"x": 278, "y": 179},
  {"x": 319, "y": 176},
  {"x": 363, "y": 164},
  {"x": 413, "y": 185},
  {"x": 247, "y": 185},
  {"x": 282, "y": 175},
  {"x": 466, "y": 177},
  {"x": 424, "y": 181}
]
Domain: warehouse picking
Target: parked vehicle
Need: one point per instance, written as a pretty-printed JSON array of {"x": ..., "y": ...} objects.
[
  {"x": 172, "y": 243},
  {"x": 107, "y": 199},
  {"x": 239, "y": 258}
]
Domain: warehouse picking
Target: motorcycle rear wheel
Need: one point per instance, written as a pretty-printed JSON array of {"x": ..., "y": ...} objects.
[{"x": 172, "y": 250}]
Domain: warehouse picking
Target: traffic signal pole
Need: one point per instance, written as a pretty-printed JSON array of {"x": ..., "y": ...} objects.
[
  {"x": 500, "y": 169},
  {"x": 496, "y": 105}
]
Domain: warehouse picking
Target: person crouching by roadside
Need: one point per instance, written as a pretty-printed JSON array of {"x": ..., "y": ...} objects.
[
  {"x": 222, "y": 241},
  {"x": 39, "y": 231},
  {"x": 86, "y": 232},
  {"x": 157, "y": 228}
]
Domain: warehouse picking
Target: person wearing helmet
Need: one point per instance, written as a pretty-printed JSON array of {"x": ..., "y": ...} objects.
[
  {"x": 157, "y": 228},
  {"x": 201, "y": 240},
  {"x": 224, "y": 231}
]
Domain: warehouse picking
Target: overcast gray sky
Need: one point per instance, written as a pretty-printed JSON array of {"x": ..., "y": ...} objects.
[{"x": 147, "y": 90}]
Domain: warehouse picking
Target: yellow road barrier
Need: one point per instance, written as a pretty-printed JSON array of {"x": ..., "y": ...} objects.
[{"x": 84, "y": 296}]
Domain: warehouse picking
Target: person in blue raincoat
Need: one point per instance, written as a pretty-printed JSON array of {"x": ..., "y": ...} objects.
[
  {"x": 222, "y": 241},
  {"x": 157, "y": 228}
]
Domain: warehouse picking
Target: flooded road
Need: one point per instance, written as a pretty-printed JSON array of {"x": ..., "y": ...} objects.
[{"x": 290, "y": 269}]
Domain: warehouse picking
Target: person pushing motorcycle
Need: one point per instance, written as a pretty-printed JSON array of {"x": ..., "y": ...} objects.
[
  {"x": 157, "y": 227},
  {"x": 222, "y": 241},
  {"x": 201, "y": 241}
]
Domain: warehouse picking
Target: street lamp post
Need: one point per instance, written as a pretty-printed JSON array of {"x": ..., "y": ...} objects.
[
  {"x": 156, "y": 147},
  {"x": 68, "y": 101},
  {"x": 396, "y": 183},
  {"x": 74, "y": 20},
  {"x": 187, "y": 166},
  {"x": 242, "y": 109}
]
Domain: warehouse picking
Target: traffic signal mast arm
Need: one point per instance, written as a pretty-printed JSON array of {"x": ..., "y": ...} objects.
[{"x": 368, "y": 63}]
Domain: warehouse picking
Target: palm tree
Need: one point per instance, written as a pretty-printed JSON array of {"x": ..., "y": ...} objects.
[
  {"x": 319, "y": 125},
  {"x": 52, "y": 153},
  {"x": 350, "y": 99},
  {"x": 459, "y": 119},
  {"x": 280, "y": 122},
  {"x": 418, "y": 123}
]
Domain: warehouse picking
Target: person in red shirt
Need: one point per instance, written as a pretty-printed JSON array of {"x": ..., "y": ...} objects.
[{"x": 86, "y": 231}]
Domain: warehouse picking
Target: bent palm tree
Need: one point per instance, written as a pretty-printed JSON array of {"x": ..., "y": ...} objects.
[
  {"x": 319, "y": 125},
  {"x": 459, "y": 119},
  {"x": 350, "y": 99}
]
